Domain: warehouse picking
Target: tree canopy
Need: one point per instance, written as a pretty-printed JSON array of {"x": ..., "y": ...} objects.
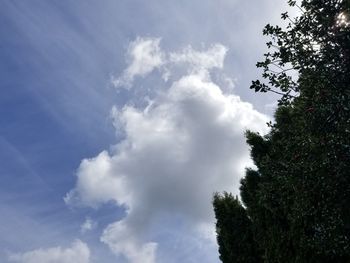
[{"x": 297, "y": 200}]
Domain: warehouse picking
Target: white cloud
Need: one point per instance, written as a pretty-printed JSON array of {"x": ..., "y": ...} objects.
[
  {"x": 184, "y": 145},
  {"x": 78, "y": 252},
  {"x": 145, "y": 56},
  {"x": 88, "y": 225},
  {"x": 96, "y": 183},
  {"x": 211, "y": 58},
  {"x": 122, "y": 240}
]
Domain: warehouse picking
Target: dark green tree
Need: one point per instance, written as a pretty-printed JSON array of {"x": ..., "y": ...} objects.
[
  {"x": 233, "y": 224},
  {"x": 298, "y": 198}
]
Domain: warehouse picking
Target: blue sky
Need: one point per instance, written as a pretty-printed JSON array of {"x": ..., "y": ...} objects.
[{"x": 104, "y": 104}]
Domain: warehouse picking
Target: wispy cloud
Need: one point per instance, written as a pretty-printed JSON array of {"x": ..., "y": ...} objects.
[
  {"x": 199, "y": 60},
  {"x": 88, "y": 225},
  {"x": 78, "y": 252},
  {"x": 145, "y": 56}
]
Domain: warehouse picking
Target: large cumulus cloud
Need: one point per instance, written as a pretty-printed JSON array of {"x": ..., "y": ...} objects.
[{"x": 185, "y": 144}]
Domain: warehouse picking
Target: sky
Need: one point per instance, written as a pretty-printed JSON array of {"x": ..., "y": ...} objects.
[{"x": 119, "y": 119}]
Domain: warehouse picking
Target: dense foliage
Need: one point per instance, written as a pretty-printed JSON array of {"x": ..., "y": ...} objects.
[
  {"x": 230, "y": 213},
  {"x": 297, "y": 201}
]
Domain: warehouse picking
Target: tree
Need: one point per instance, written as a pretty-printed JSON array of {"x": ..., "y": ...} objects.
[
  {"x": 233, "y": 224},
  {"x": 297, "y": 199}
]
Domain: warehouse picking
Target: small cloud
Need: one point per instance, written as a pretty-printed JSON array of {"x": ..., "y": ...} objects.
[
  {"x": 230, "y": 83},
  {"x": 97, "y": 184},
  {"x": 145, "y": 55},
  {"x": 199, "y": 60},
  {"x": 88, "y": 225},
  {"x": 78, "y": 252}
]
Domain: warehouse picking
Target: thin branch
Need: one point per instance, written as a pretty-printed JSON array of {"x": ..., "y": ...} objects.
[
  {"x": 300, "y": 8},
  {"x": 283, "y": 70},
  {"x": 283, "y": 94}
]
